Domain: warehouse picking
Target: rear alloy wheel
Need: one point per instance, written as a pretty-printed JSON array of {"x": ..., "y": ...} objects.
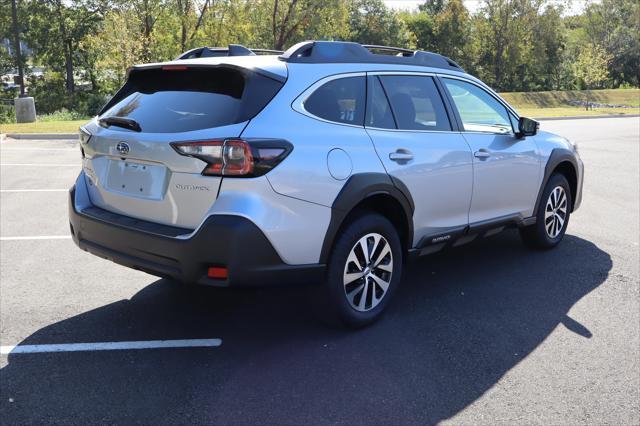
[
  {"x": 368, "y": 272},
  {"x": 552, "y": 216},
  {"x": 363, "y": 272}
]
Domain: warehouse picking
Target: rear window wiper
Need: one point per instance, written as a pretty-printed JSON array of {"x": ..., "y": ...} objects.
[{"x": 124, "y": 122}]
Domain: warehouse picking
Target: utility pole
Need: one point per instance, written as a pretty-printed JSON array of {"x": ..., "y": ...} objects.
[
  {"x": 16, "y": 34},
  {"x": 25, "y": 106}
]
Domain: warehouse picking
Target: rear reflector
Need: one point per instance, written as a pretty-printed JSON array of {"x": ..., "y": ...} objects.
[{"x": 217, "y": 272}]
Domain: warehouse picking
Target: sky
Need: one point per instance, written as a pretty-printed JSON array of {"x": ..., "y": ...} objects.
[{"x": 576, "y": 6}]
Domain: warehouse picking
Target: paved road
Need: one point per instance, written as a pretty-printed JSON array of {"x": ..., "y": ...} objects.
[{"x": 484, "y": 334}]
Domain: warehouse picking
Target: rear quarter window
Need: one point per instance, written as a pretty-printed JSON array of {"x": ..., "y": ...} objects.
[
  {"x": 341, "y": 101},
  {"x": 182, "y": 100}
]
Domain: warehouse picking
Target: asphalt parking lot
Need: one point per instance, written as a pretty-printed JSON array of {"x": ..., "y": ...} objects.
[{"x": 489, "y": 333}]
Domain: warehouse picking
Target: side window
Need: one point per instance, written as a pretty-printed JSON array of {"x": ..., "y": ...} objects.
[
  {"x": 479, "y": 111},
  {"x": 416, "y": 102},
  {"x": 378, "y": 110},
  {"x": 341, "y": 100}
]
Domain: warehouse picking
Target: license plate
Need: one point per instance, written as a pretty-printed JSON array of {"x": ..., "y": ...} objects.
[{"x": 136, "y": 179}]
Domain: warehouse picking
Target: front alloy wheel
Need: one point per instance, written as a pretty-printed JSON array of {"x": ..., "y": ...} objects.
[
  {"x": 552, "y": 215},
  {"x": 555, "y": 212}
]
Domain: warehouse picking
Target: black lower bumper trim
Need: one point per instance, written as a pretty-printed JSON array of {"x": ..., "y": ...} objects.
[{"x": 223, "y": 240}]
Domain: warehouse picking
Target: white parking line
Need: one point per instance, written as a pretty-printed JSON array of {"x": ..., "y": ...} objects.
[
  {"x": 34, "y": 190},
  {"x": 111, "y": 346},
  {"x": 40, "y": 165},
  {"x": 37, "y": 237}
]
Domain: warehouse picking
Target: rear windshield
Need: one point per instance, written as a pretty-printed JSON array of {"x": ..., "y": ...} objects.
[{"x": 182, "y": 100}]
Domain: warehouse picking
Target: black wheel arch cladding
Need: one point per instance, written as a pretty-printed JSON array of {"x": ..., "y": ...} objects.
[
  {"x": 557, "y": 158},
  {"x": 359, "y": 188}
]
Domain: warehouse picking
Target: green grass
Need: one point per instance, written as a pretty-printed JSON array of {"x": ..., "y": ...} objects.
[
  {"x": 43, "y": 127},
  {"x": 554, "y": 104}
]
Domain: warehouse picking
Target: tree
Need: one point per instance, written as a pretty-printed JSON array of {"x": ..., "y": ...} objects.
[
  {"x": 7, "y": 62},
  {"x": 505, "y": 37},
  {"x": 591, "y": 67},
  {"x": 297, "y": 19},
  {"x": 117, "y": 46},
  {"x": 56, "y": 28},
  {"x": 371, "y": 22},
  {"x": 550, "y": 70},
  {"x": 615, "y": 25},
  {"x": 443, "y": 26}
]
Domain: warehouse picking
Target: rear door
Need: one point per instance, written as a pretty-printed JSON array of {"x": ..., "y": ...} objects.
[
  {"x": 138, "y": 173},
  {"x": 506, "y": 168},
  {"x": 413, "y": 135}
]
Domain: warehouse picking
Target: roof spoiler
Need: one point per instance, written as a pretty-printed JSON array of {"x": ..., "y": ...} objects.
[{"x": 231, "y": 50}]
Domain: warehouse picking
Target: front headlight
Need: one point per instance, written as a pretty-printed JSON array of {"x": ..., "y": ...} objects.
[
  {"x": 84, "y": 136},
  {"x": 574, "y": 146}
]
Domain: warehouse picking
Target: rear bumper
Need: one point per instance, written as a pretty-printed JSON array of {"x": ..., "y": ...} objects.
[{"x": 223, "y": 240}]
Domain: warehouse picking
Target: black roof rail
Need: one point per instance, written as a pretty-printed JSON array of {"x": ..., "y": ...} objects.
[
  {"x": 232, "y": 50},
  {"x": 316, "y": 52},
  {"x": 400, "y": 50}
]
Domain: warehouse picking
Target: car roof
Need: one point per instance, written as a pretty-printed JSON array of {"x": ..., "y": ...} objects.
[{"x": 317, "y": 59}]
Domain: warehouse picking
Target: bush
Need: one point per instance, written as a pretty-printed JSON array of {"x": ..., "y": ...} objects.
[
  {"x": 7, "y": 114},
  {"x": 53, "y": 100},
  {"x": 88, "y": 104},
  {"x": 62, "y": 115},
  {"x": 48, "y": 92}
]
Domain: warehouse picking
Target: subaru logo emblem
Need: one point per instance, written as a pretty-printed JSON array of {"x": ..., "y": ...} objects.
[{"x": 122, "y": 148}]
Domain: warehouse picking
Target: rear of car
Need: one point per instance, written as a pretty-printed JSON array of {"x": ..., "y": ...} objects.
[
  {"x": 326, "y": 164},
  {"x": 153, "y": 165}
]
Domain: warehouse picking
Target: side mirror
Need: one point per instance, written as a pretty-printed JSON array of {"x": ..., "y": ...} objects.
[{"x": 527, "y": 127}]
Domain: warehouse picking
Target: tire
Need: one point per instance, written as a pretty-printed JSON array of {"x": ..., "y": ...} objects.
[
  {"x": 362, "y": 300},
  {"x": 552, "y": 217}
]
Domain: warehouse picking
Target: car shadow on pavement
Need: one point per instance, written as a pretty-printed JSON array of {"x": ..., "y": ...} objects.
[{"x": 461, "y": 320}]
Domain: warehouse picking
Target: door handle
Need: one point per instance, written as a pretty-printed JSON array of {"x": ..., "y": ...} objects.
[
  {"x": 482, "y": 154},
  {"x": 401, "y": 156}
]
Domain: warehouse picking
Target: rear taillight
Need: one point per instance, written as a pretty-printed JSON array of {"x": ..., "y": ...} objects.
[{"x": 236, "y": 157}]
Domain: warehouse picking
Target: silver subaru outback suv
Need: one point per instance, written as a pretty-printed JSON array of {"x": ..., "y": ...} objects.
[{"x": 332, "y": 163}]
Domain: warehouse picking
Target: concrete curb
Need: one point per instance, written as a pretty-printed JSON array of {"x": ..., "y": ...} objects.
[
  {"x": 585, "y": 117},
  {"x": 38, "y": 136}
]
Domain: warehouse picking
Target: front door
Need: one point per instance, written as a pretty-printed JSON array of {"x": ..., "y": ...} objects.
[{"x": 506, "y": 169}]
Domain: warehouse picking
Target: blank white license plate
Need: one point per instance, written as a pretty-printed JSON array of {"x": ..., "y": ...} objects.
[{"x": 136, "y": 179}]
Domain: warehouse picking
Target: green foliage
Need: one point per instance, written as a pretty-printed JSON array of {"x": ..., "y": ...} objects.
[
  {"x": 86, "y": 46},
  {"x": 371, "y": 22},
  {"x": 62, "y": 115},
  {"x": 591, "y": 66},
  {"x": 7, "y": 114},
  {"x": 614, "y": 25}
]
